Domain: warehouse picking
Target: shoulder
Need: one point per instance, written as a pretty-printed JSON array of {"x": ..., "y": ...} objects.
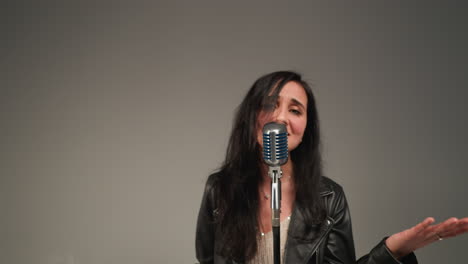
[
  {"x": 212, "y": 189},
  {"x": 328, "y": 186},
  {"x": 334, "y": 198},
  {"x": 208, "y": 203},
  {"x": 212, "y": 182}
]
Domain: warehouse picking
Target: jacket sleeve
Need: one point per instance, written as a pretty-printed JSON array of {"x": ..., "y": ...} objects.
[
  {"x": 205, "y": 232},
  {"x": 340, "y": 246},
  {"x": 381, "y": 254}
]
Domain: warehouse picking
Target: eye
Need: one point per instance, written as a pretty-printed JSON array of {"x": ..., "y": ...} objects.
[{"x": 296, "y": 112}]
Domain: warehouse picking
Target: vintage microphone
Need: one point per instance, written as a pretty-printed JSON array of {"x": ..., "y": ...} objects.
[{"x": 275, "y": 154}]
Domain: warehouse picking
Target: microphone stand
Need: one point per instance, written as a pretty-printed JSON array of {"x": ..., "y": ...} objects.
[{"x": 275, "y": 173}]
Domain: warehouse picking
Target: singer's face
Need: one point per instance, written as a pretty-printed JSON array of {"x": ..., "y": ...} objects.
[{"x": 290, "y": 108}]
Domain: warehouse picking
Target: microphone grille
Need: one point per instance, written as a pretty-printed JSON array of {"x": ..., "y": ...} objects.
[{"x": 275, "y": 144}]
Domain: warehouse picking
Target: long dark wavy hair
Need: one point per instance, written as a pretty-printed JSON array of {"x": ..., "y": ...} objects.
[{"x": 239, "y": 177}]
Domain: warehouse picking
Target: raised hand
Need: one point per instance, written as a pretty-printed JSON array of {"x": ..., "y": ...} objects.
[{"x": 424, "y": 233}]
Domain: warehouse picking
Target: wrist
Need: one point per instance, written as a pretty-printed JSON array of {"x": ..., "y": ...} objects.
[{"x": 394, "y": 249}]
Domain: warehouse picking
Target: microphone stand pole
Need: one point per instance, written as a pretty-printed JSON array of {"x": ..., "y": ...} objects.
[{"x": 275, "y": 174}]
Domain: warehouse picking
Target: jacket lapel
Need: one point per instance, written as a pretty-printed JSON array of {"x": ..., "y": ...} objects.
[{"x": 303, "y": 240}]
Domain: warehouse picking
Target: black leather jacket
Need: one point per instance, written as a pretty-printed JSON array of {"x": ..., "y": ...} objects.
[{"x": 331, "y": 242}]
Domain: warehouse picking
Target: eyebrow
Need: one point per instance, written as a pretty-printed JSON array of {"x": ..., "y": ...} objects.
[{"x": 296, "y": 102}]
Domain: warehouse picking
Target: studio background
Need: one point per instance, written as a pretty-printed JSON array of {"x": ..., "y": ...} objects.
[{"x": 113, "y": 115}]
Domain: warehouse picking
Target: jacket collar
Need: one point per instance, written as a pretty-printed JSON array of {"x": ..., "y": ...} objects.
[{"x": 325, "y": 188}]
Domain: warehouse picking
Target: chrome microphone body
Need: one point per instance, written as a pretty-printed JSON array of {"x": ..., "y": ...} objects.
[{"x": 275, "y": 154}]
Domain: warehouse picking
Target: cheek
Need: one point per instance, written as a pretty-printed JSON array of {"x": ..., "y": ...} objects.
[
  {"x": 262, "y": 119},
  {"x": 298, "y": 126}
]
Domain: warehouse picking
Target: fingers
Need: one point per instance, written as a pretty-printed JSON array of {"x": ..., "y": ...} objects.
[
  {"x": 423, "y": 225},
  {"x": 432, "y": 233},
  {"x": 445, "y": 226},
  {"x": 439, "y": 231},
  {"x": 445, "y": 231},
  {"x": 460, "y": 227},
  {"x": 425, "y": 233},
  {"x": 419, "y": 235}
]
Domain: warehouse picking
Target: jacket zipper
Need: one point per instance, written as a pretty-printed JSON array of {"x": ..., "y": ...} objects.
[
  {"x": 329, "y": 226},
  {"x": 320, "y": 242},
  {"x": 329, "y": 223}
]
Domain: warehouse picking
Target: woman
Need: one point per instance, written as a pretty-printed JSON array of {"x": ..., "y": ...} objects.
[{"x": 234, "y": 222}]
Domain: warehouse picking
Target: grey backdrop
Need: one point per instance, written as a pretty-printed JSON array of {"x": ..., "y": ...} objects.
[{"x": 113, "y": 115}]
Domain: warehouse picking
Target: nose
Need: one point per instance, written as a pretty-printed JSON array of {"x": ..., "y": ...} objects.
[{"x": 281, "y": 116}]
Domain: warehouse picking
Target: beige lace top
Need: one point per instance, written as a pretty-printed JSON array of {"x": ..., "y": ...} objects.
[{"x": 265, "y": 244}]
